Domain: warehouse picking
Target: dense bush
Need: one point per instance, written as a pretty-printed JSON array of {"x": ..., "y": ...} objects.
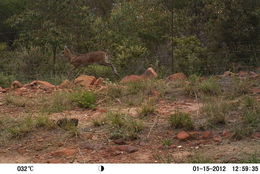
[{"x": 202, "y": 37}]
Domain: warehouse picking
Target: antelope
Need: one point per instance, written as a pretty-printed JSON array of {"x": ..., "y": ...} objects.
[{"x": 82, "y": 60}]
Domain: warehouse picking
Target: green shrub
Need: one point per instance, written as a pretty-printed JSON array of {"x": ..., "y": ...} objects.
[
  {"x": 251, "y": 112},
  {"x": 136, "y": 87},
  {"x": 147, "y": 109},
  {"x": 123, "y": 126},
  {"x": 85, "y": 99},
  {"x": 254, "y": 158},
  {"x": 216, "y": 111},
  {"x": 115, "y": 91},
  {"x": 241, "y": 131},
  {"x": 188, "y": 53},
  {"x": 210, "y": 87},
  {"x": 167, "y": 142},
  {"x": 98, "y": 122},
  {"x": 199, "y": 159},
  {"x": 15, "y": 100},
  {"x": 181, "y": 120},
  {"x": 44, "y": 122},
  {"x": 192, "y": 87},
  {"x": 58, "y": 102},
  {"x": 22, "y": 128},
  {"x": 197, "y": 87},
  {"x": 238, "y": 87},
  {"x": 6, "y": 80}
]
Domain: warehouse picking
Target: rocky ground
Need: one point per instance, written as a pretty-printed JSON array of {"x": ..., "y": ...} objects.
[{"x": 142, "y": 119}]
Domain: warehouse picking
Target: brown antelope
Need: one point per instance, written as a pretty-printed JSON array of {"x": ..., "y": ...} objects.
[{"x": 82, "y": 60}]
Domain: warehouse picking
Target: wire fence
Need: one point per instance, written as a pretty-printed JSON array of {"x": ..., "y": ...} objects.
[{"x": 216, "y": 63}]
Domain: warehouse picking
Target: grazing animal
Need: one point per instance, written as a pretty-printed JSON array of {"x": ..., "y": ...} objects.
[{"x": 82, "y": 60}]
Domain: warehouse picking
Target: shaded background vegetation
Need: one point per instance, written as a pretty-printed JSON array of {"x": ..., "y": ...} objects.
[{"x": 191, "y": 36}]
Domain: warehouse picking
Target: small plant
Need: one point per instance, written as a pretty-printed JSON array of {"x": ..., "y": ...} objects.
[
  {"x": 136, "y": 86},
  {"x": 22, "y": 128},
  {"x": 250, "y": 103},
  {"x": 242, "y": 86},
  {"x": 251, "y": 112},
  {"x": 216, "y": 111},
  {"x": 163, "y": 158},
  {"x": 209, "y": 87},
  {"x": 44, "y": 122},
  {"x": 85, "y": 99},
  {"x": 200, "y": 159},
  {"x": 123, "y": 126},
  {"x": 98, "y": 122},
  {"x": 252, "y": 118},
  {"x": 58, "y": 102},
  {"x": 191, "y": 88},
  {"x": 196, "y": 86},
  {"x": 239, "y": 132},
  {"x": 167, "y": 142},
  {"x": 5, "y": 80},
  {"x": 115, "y": 91},
  {"x": 254, "y": 158},
  {"x": 14, "y": 100},
  {"x": 147, "y": 109},
  {"x": 181, "y": 120},
  {"x": 69, "y": 125}
]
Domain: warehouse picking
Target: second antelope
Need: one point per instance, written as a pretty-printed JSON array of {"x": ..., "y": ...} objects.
[{"x": 82, "y": 60}]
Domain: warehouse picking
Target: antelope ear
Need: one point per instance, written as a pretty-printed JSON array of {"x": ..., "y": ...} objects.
[{"x": 65, "y": 47}]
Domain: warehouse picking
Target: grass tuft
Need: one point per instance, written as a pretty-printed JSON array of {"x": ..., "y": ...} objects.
[
  {"x": 181, "y": 120},
  {"x": 123, "y": 126}
]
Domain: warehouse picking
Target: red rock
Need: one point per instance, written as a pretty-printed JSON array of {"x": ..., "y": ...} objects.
[
  {"x": 149, "y": 73},
  {"x": 119, "y": 141},
  {"x": 155, "y": 93},
  {"x": 183, "y": 135},
  {"x": 99, "y": 82},
  {"x": 228, "y": 73},
  {"x": 242, "y": 74},
  {"x": 66, "y": 84},
  {"x": 257, "y": 70},
  {"x": 65, "y": 152},
  {"x": 206, "y": 134},
  {"x": 173, "y": 146},
  {"x": 91, "y": 146},
  {"x": 40, "y": 84},
  {"x": 217, "y": 139},
  {"x": 226, "y": 133},
  {"x": 177, "y": 76},
  {"x": 131, "y": 78},
  {"x": 255, "y": 90},
  {"x": 85, "y": 81},
  {"x": 202, "y": 142},
  {"x": 124, "y": 148},
  {"x": 253, "y": 74},
  {"x": 21, "y": 90},
  {"x": 256, "y": 135},
  {"x": 16, "y": 84},
  {"x": 2, "y": 90},
  {"x": 55, "y": 161}
]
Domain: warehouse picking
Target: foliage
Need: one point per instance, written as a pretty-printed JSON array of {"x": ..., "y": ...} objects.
[
  {"x": 5, "y": 80},
  {"x": 123, "y": 126},
  {"x": 195, "y": 37},
  {"x": 147, "y": 109},
  {"x": 217, "y": 111},
  {"x": 181, "y": 120},
  {"x": 85, "y": 99},
  {"x": 198, "y": 86},
  {"x": 188, "y": 55}
]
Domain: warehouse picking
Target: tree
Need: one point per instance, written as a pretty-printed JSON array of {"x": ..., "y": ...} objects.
[{"x": 50, "y": 24}]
